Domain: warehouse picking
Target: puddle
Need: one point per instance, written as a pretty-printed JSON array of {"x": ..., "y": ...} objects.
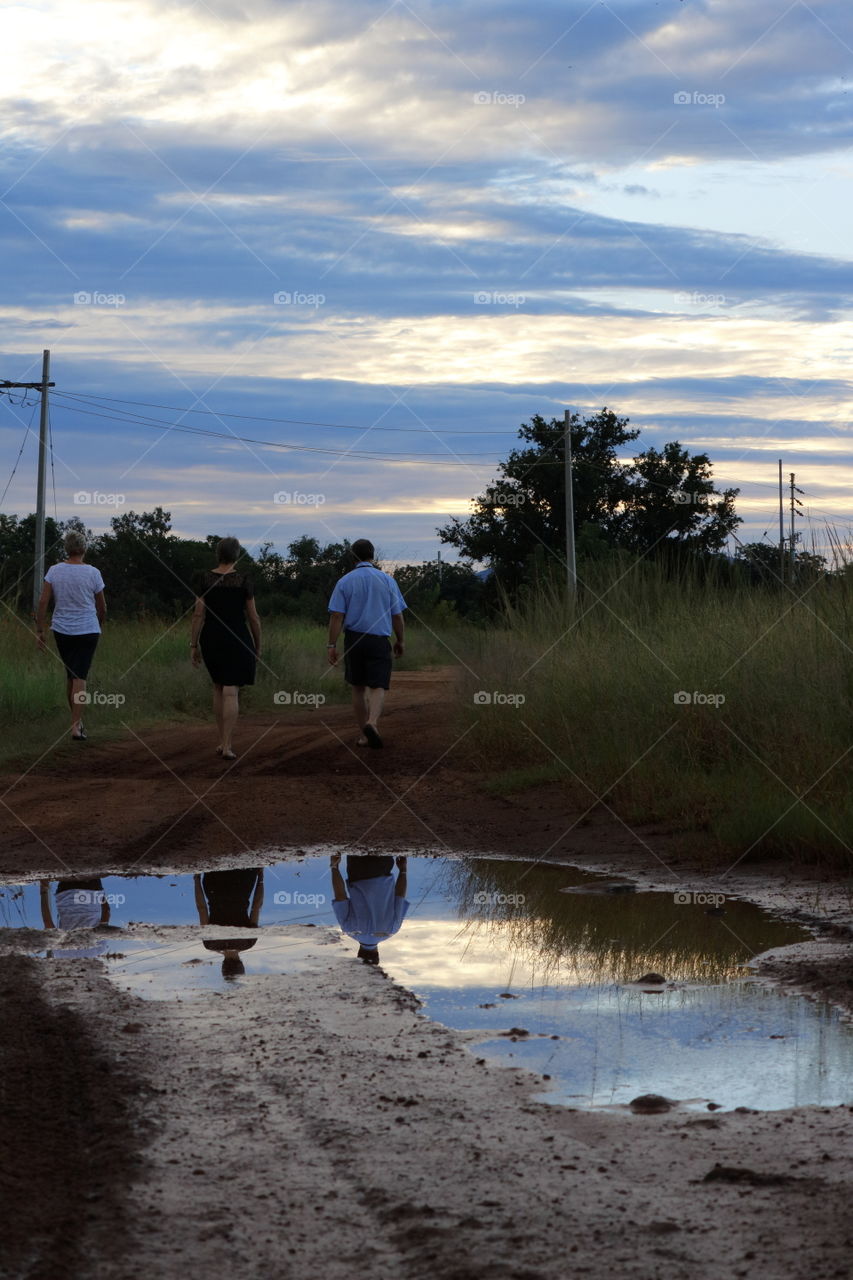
[{"x": 491, "y": 947}]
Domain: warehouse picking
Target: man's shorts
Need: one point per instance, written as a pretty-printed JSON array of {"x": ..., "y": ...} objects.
[{"x": 367, "y": 659}]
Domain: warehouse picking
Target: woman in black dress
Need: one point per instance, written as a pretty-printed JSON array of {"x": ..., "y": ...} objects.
[
  {"x": 230, "y": 898},
  {"x": 224, "y": 616}
]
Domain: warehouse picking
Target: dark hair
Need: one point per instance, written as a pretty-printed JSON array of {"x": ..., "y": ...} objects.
[
  {"x": 363, "y": 550},
  {"x": 228, "y": 550},
  {"x": 369, "y": 955},
  {"x": 232, "y": 967}
]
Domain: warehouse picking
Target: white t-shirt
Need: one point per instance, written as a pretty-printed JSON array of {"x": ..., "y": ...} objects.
[{"x": 74, "y": 589}]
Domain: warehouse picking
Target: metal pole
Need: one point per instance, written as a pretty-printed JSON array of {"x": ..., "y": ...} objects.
[
  {"x": 38, "y": 565},
  {"x": 781, "y": 529},
  {"x": 571, "y": 570},
  {"x": 793, "y": 536}
]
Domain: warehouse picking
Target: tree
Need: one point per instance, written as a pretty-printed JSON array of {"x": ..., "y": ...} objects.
[{"x": 660, "y": 499}]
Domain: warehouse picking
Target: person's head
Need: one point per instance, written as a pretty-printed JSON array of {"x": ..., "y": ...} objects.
[
  {"x": 363, "y": 550},
  {"x": 75, "y": 543},
  {"x": 232, "y": 964},
  {"x": 370, "y": 955},
  {"x": 228, "y": 550}
]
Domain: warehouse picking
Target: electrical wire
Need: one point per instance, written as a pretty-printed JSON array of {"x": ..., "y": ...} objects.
[{"x": 20, "y": 451}]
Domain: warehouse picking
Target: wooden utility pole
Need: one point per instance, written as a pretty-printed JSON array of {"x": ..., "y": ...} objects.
[
  {"x": 795, "y": 502},
  {"x": 38, "y": 566},
  {"x": 38, "y": 563},
  {"x": 781, "y": 530},
  {"x": 571, "y": 570}
]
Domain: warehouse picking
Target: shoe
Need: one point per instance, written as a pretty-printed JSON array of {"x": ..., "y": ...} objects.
[
  {"x": 79, "y": 737},
  {"x": 372, "y": 735},
  {"x": 227, "y": 755}
]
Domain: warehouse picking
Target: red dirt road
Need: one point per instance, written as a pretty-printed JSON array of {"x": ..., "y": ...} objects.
[{"x": 162, "y": 798}]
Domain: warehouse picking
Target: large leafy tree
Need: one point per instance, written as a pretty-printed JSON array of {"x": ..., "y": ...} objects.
[{"x": 659, "y": 499}]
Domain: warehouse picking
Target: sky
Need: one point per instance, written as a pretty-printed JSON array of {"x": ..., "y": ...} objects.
[{"x": 390, "y": 233}]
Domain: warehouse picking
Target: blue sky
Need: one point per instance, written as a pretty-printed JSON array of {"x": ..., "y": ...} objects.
[{"x": 470, "y": 213}]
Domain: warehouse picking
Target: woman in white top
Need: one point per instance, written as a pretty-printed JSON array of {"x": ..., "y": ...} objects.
[{"x": 79, "y": 608}]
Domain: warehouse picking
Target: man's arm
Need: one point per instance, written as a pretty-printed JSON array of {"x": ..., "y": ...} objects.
[
  {"x": 402, "y": 873},
  {"x": 44, "y": 899},
  {"x": 339, "y": 889},
  {"x": 336, "y": 621},
  {"x": 399, "y": 633},
  {"x": 200, "y": 902}
]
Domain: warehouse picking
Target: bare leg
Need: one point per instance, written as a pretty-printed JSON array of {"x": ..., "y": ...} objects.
[
  {"x": 375, "y": 701},
  {"x": 230, "y": 710},
  {"x": 74, "y": 689},
  {"x": 359, "y": 706},
  {"x": 217, "y": 711}
]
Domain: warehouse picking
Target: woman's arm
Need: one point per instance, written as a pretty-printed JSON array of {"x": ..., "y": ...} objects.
[
  {"x": 44, "y": 898},
  {"x": 41, "y": 613},
  {"x": 257, "y": 900},
  {"x": 254, "y": 623},
  {"x": 200, "y": 902},
  {"x": 195, "y": 632},
  {"x": 100, "y": 606}
]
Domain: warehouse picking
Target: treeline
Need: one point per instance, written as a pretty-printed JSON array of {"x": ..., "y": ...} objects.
[{"x": 151, "y": 572}]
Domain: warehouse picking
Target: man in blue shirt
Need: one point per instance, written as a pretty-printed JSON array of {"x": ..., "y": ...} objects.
[
  {"x": 375, "y": 906},
  {"x": 368, "y": 605}
]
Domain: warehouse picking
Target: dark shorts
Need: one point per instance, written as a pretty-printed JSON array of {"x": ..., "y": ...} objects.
[
  {"x": 77, "y": 653},
  {"x": 368, "y": 866},
  {"x": 367, "y": 659}
]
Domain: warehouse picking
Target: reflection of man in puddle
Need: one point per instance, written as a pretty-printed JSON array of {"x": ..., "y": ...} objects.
[
  {"x": 375, "y": 906},
  {"x": 80, "y": 904},
  {"x": 231, "y": 898}
]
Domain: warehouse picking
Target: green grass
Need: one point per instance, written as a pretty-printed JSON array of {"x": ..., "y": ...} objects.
[
  {"x": 147, "y": 664},
  {"x": 766, "y": 773}
]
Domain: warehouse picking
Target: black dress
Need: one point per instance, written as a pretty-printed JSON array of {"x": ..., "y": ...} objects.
[{"x": 226, "y": 645}]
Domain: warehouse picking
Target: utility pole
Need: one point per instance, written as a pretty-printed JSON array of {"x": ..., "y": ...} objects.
[
  {"x": 781, "y": 530},
  {"x": 795, "y": 502},
  {"x": 38, "y": 564},
  {"x": 571, "y": 570}
]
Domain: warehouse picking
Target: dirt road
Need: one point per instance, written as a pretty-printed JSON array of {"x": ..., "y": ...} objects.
[{"x": 161, "y": 798}]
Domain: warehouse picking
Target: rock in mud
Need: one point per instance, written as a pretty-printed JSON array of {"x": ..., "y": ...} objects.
[{"x": 650, "y": 1104}]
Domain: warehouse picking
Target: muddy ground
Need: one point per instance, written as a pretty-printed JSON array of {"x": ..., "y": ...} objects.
[{"x": 313, "y": 1124}]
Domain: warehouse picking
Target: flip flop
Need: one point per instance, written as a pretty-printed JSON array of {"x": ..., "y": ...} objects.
[{"x": 372, "y": 735}]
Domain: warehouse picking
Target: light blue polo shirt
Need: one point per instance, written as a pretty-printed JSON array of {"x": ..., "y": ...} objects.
[
  {"x": 373, "y": 911},
  {"x": 367, "y": 598}
]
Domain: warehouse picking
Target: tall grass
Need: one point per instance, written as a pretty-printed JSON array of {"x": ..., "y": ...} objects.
[{"x": 765, "y": 768}]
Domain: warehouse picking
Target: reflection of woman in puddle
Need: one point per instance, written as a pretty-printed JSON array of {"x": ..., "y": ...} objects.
[
  {"x": 80, "y": 904},
  {"x": 230, "y": 898},
  {"x": 375, "y": 906}
]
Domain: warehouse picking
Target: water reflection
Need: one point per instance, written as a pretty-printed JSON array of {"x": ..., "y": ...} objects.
[
  {"x": 232, "y": 899},
  {"x": 370, "y": 905},
  {"x": 534, "y": 975}
]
